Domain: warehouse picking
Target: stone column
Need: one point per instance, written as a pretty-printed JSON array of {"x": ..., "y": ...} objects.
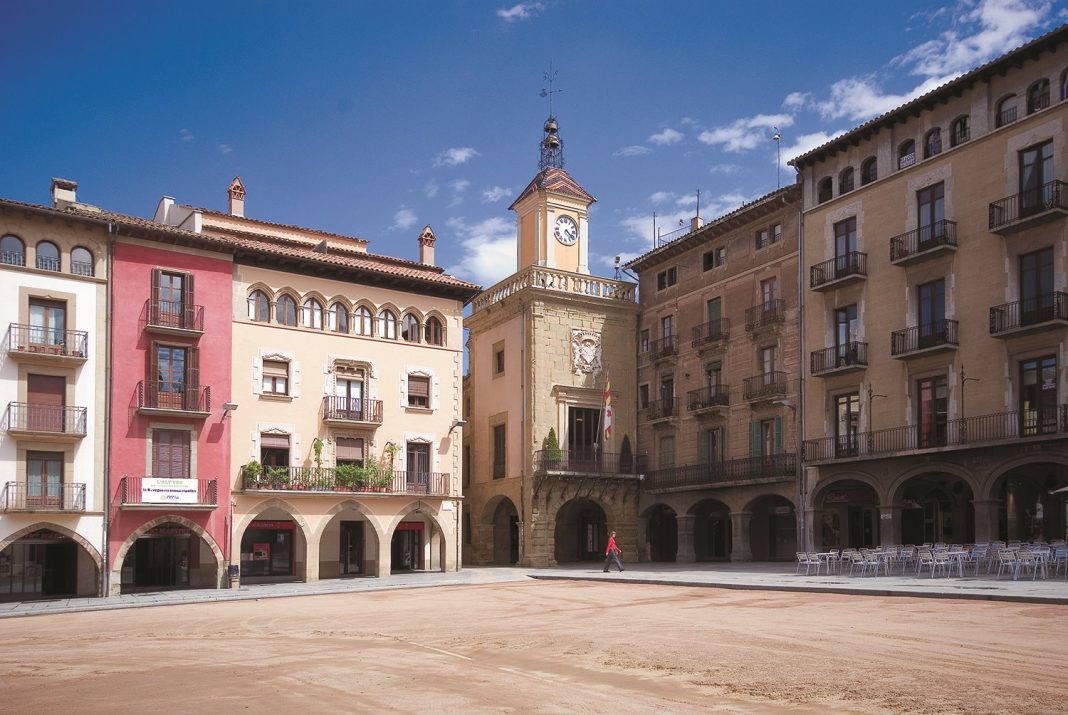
[
  {"x": 642, "y": 541},
  {"x": 740, "y": 547},
  {"x": 890, "y": 525},
  {"x": 986, "y": 519},
  {"x": 311, "y": 561},
  {"x": 685, "y": 553},
  {"x": 813, "y": 530},
  {"x": 384, "y": 558}
]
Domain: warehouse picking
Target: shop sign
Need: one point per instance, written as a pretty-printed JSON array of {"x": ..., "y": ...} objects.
[
  {"x": 159, "y": 490},
  {"x": 783, "y": 510},
  {"x": 169, "y": 530},
  {"x": 410, "y": 526},
  {"x": 849, "y": 496},
  {"x": 43, "y": 535},
  {"x": 261, "y": 552},
  {"x": 264, "y": 524}
]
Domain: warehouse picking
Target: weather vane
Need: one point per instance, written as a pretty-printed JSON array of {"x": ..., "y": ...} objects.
[{"x": 550, "y": 77}]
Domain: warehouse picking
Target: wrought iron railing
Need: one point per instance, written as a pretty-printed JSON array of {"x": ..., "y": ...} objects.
[
  {"x": 53, "y": 419},
  {"x": 932, "y": 148},
  {"x": 47, "y": 341},
  {"x": 768, "y": 384},
  {"x": 711, "y": 332},
  {"x": 906, "y": 160},
  {"x": 939, "y": 233},
  {"x": 587, "y": 461},
  {"x": 921, "y": 337},
  {"x": 710, "y": 396},
  {"x": 167, "y": 395},
  {"x": 346, "y": 478},
  {"x": 660, "y": 409},
  {"x": 48, "y": 264},
  {"x": 165, "y": 491},
  {"x": 762, "y": 315},
  {"x": 941, "y": 432},
  {"x": 352, "y": 409},
  {"x": 692, "y": 475},
  {"x": 1037, "y": 102},
  {"x": 851, "y": 354},
  {"x": 1009, "y": 210},
  {"x": 1029, "y": 311},
  {"x": 854, "y": 263},
  {"x": 1005, "y": 116},
  {"x": 664, "y": 347},
  {"x": 13, "y": 258},
  {"x": 43, "y": 496},
  {"x": 81, "y": 268},
  {"x": 174, "y": 314},
  {"x": 958, "y": 137}
]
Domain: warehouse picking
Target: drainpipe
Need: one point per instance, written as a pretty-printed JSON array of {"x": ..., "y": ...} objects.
[
  {"x": 105, "y": 570},
  {"x": 800, "y": 416},
  {"x": 523, "y": 430}
]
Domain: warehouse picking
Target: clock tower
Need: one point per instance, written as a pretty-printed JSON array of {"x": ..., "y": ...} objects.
[{"x": 552, "y": 213}]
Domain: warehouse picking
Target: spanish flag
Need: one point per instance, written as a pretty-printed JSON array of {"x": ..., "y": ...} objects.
[{"x": 607, "y": 408}]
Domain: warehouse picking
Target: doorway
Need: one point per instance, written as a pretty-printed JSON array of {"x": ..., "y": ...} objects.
[
  {"x": 406, "y": 549},
  {"x": 351, "y": 552}
]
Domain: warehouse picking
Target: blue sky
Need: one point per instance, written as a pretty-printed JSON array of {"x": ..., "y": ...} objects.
[{"x": 376, "y": 119}]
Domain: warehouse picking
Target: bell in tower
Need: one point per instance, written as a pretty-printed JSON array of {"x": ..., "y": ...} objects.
[{"x": 552, "y": 146}]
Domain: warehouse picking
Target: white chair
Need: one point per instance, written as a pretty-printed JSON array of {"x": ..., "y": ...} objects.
[
  {"x": 924, "y": 559},
  {"x": 1007, "y": 559},
  {"x": 1027, "y": 561},
  {"x": 940, "y": 560}
]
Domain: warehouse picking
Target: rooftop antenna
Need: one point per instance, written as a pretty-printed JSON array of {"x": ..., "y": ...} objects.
[
  {"x": 656, "y": 236},
  {"x": 777, "y": 138},
  {"x": 698, "y": 203}
]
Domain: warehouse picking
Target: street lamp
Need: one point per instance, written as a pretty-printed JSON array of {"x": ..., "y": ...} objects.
[
  {"x": 871, "y": 432},
  {"x": 963, "y": 422}
]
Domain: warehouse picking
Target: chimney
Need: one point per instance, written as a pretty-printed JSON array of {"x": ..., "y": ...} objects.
[
  {"x": 237, "y": 197},
  {"x": 696, "y": 223},
  {"x": 64, "y": 191},
  {"x": 426, "y": 246}
]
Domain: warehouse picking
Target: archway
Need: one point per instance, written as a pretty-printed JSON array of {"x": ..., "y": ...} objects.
[
  {"x": 45, "y": 560},
  {"x": 274, "y": 547},
  {"x": 662, "y": 530},
  {"x": 772, "y": 528},
  {"x": 505, "y": 533},
  {"x": 348, "y": 542},
  {"x": 1032, "y": 506},
  {"x": 581, "y": 532},
  {"x": 712, "y": 530},
  {"x": 936, "y": 507},
  {"x": 419, "y": 539},
  {"x": 168, "y": 553},
  {"x": 850, "y": 515}
]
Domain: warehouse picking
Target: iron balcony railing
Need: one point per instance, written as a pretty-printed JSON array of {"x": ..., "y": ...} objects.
[
  {"x": 1005, "y": 116},
  {"x": 920, "y": 240},
  {"x": 13, "y": 258},
  {"x": 170, "y": 492},
  {"x": 175, "y": 315},
  {"x": 43, "y": 496},
  {"x": 661, "y": 409},
  {"x": 48, "y": 264},
  {"x": 81, "y": 268},
  {"x": 932, "y": 148},
  {"x": 696, "y": 475},
  {"x": 52, "y": 419},
  {"x": 960, "y": 136},
  {"x": 1029, "y": 311},
  {"x": 178, "y": 396},
  {"x": 765, "y": 385},
  {"x": 851, "y": 354},
  {"x": 710, "y": 396},
  {"x": 938, "y": 431},
  {"x": 351, "y": 409},
  {"x": 48, "y": 341},
  {"x": 906, "y": 160},
  {"x": 1037, "y": 102},
  {"x": 346, "y": 478},
  {"x": 710, "y": 332},
  {"x": 854, "y": 263},
  {"x": 664, "y": 347},
  {"x": 922, "y": 337},
  {"x": 765, "y": 314},
  {"x": 587, "y": 461},
  {"x": 1011, "y": 209}
]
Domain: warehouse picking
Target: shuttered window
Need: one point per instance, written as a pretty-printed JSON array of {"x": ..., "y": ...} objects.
[
  {"x": 275, "y": 377},
  {"x": 349, "y": 450},
  {"x": 170, "y": 453},
  {"x": 418, "y": 391}
]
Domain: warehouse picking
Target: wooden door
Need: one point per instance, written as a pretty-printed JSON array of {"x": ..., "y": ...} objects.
[{"x": 45, "y": 396}]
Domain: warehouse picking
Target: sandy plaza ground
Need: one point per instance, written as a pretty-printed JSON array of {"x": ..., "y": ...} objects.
[{"x": 543, "y": 646}]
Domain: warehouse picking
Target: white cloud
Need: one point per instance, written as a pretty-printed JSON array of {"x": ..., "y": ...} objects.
[
  {"x": 226, "y": 149},
  {"x": 495, "y": 193},
  {"x": 796, "y": 100},
  {"x": 724, "y": 169},
  {"x": 666, "y": 137},
  {"x": 660, "y": 197},
  {"x": 638, "y": 228},
  {"x": 431, "y": 189},
  {"x": 688, "y": 200},
  {"x": 455, "y": 156},
  {"x": 489, "y": 249},
  {"x": 805, "y": 143},
  {"x": 185, "y": 135},
  {"x": 860, "y": 98},
  {"x": 744, "y": 134},
  {"x": 632, "y": 150},
  {"x": 458, "y": 187},
  {"x": 403, "y": 219},
  {"x": 688, "y": 121},
  {"x": 522, "y": 11}
]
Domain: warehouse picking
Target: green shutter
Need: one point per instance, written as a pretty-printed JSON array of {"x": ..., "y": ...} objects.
[
  {"x": 702, "y": 446},
  {"x": 754, "y": 438},
  {"x": 778, "y": 435}
]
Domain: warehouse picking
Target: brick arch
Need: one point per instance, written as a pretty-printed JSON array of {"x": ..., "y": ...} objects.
[
  {"x": 489, "y": 509},
  {"x": 937, "y": 467},
  {"x": 274, "y": 503},
  {"x": 120, "y": 557},
  {"x": 771, "y": 495},
  {"x": 863, "y": 477},
  {"x": 371, "y": 517},
  {"x": 449, "y": 535},
  {"x": 998, "y": 472},
  {"x": 74, "y": 536}
]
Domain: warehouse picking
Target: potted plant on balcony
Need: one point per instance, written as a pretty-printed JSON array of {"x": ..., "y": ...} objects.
[
  {"x": 347, "y": 477},
  {"x": 253, "y": 472},
  {"x": 279, "y": 477},
  {"x": 551, "y": 447},
  {"x": 317, "y": 450}
]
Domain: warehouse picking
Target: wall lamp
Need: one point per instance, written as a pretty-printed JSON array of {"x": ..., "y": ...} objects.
[
  {"x": 228, "y": 407},
  {"x": 457, "y": 423}
]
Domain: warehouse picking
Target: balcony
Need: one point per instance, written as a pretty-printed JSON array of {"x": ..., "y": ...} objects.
[
  {"x": 64, "y": 497},
  {"x": 770, "y": 314},
  {"x": 587, "y": 461},
  {"x": 45, "y": 346},
  {"x": 696, "y": 476},
  {"x": 1042, "y": 312},
  {"x": 712, "y": 335},
  {"x": 350, "y": 411},
  {"x": 851, "y": 267},
  {"x": 1013, "y": 213},
  {"x": 924, "y": 339},
  {"x": 839, "y": 358},
  {"x": 49, "y": 423},
  {"x": 664, "y": 349},
  {"x": 344, "y": 479},
  {"x": 168, "y": 493},
  {"x": 940, "y": 237},
  {"x": 660, "y": 410},
  {"x": 766, "y": 386},
  {"x": 173, "y": 318},
  {"x": 943, "y": 434},
  {"x": 714, "y": 398},
  {"x": 1005, "y": 116},
  {"x": 173, "y": 398}
]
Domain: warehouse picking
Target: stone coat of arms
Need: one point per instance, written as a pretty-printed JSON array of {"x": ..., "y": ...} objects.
[{"x": 585, "y": 351}]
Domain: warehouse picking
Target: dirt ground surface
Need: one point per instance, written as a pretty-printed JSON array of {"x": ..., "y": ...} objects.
[{"x": 574, "y": 647}]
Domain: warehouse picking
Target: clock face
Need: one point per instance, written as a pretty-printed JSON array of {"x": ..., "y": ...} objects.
[{"x": 566, "y": 231}]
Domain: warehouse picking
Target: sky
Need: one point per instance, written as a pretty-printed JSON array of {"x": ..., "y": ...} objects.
[{"x": 375, "y": 119}]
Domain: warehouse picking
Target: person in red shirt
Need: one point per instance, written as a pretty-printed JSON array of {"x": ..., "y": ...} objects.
[{"x": 611, "y": 553}]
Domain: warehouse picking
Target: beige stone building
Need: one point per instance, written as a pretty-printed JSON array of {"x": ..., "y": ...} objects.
[
  {"x": 544, "y": 343},
  {"x": 718, "y": 381},
  {"x": 935, "y": 308},
  {"x": 346, "y": 409}
]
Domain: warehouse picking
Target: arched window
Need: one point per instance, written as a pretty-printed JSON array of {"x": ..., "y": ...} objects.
[
  {"x": 869, "y": 171},
  {"x": 1064, "y": 85},
  {"x": 12, "y": 251},
  {"x": 285, "y": 310},
  {"x": 339, "y": 318},
  {"x": 845, "y": 180},
  {"x": 1038, "y": 96},
  {"x": 432, "y": 331},
  {"x": 312, "y": 314},
  {"x": 387, "y": 324},
  {"x": 47, "y": 256},
  {"x": 410, "y": 328},
  {"x": 959, "y": 132},
  {"x": 363, "y": 321},
  {"x": 259, "y": 307},
  {"x": 906, "y": 154},
  {"x": 932, "y": 143},
  {"x": 1006, "y": 111},
  {"x": 81, "y": 261},
  {"x": 823, "y": 190}
]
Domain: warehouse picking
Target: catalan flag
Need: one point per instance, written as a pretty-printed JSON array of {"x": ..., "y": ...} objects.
[{"x": 607, "y": 408}]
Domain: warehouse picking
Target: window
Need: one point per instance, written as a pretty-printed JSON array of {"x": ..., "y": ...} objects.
[
  {"x": 932, "y": 398},
  {"x": 44, "y": 479},
  {"x": 170, "y": 453},
  {"x": 48, "y": 323},
  {"x": 12, "y": 251},
  {"x": 47, "y": 256},
  {"x": 418, "y": 463},
  {"x": 172, "y": 299},
  {"x": 433, "y": 331},
  {"x": 847, "y": 424},
  {"x": 824, "y": 190},
  {"x": 643, "y": 341},
  {"x": 363, "y": 321},
  {"x": 710, "y": 446},
  {"x": 906, "y": 154},
  {"x": 1038, "y": 96},
  {"x": 175, "y": 371},
  {"x": 714, "y": 375},
  {"x": 418, "y": 391},
  {"x": 499, "y": 445},
  {"x": 338, "y": 318},
  {"x": 1006, "y": 113},
  {"x": 274, "y": 449},
  {"x": 259, "y": 307},
  {"x": 312, "y": 314},
  {"x": 349, "y": 450},
  {"x": 845, "y": 246},
  {"x": 643, "y": 396},
  {"x": 387, "y": 324},
  {"x": 1036, "y": 287},
  {"x": 667, "y": 391},
  {"x": 845, "y": 180},
  {"x": 498, "y": 362},
  {"x": 932, "y": 312},
  {"x": 765, "y": 437},
  {"x": 846, "y": 327},
  {"x": 959, "y": 131},
  {"x": 410, "y": 328},
  {"x": 714, "y": 258},
  {"x": 285, "y": 310},
  {"x": 81, "y": 262},
  {"x": 776, "y": 233},
  {"x": 275, "y": 377},
  {"x": 466, "y": 469},
  {"x": 1064, "y": 85},
  {"x": 1038, "y": 396},
  {"x": 1036, "y": 175},
  {"x": 931, "y": 212},
  {"x": 667, "y": 326},
  {"x": 763, "y": 238},
  {"x": 767, "y": 293},
  {"x": 766, "y": 356},
  {"x": 869, "y": 170},
  {"x": 932, "y": 143},
  {"x": 665, "y": 279},
  {"x": 666, "y": 451}
]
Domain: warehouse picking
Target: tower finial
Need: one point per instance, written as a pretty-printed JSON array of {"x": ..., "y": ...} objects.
[{"x": 552, "y": 146}]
